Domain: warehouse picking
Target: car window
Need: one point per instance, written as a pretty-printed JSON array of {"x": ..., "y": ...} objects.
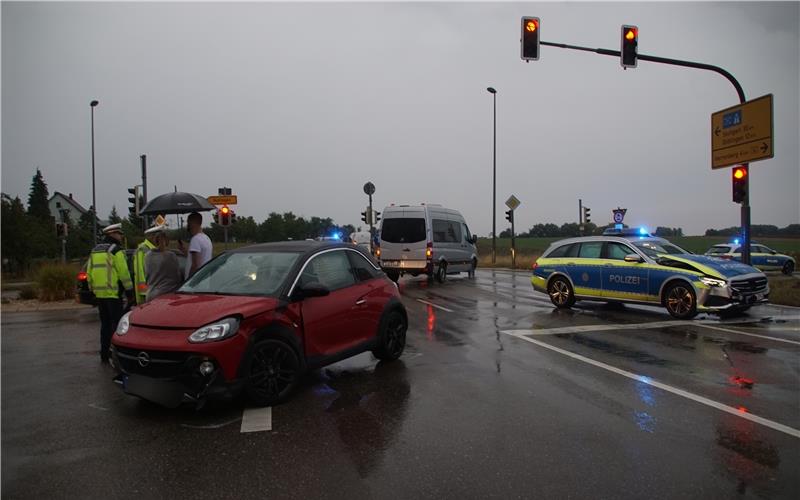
[
  {"x": 453, "y": 232},
  {"x": 363, "y": 270},
  {"x": 465, "y": 233},
  {"x": 330, "y": 269},
  {"x": 717, "y": 250},
  {"x": 440, "y": 228},
  {"x": 562, "y": 251},
  {"x": 403, "y": 230},
  {"x": 590, "y": 250},
  {"x": 759, "y": 249},
  {"x": 256, "y": 273},
  {"x": 617, "y": 251},
  {"x": 654, "y": 248}
]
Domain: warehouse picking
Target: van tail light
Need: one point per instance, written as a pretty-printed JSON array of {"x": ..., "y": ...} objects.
[
  {"x": 429, "y": 251},
  {"x": 82, "y": 276}
]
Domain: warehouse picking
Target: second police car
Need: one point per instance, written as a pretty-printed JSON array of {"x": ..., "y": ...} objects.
[
  {"x": 762, "y": 257},
  {"x": 639, "y": 268}
]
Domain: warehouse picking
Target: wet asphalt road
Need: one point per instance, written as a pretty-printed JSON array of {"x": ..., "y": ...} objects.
[{"x": 498, "y": 395}]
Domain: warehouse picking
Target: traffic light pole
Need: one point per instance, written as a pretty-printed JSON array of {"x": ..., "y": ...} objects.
[
  {"x": 690, "y": 64},
  {"x": 371, "y": 231},
  {"x": 513, "y": 246}
]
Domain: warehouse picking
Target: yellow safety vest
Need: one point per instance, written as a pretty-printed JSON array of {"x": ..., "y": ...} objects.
[
  {"x": 107, "y": 269},
  {"x": 140, "y": 278}
]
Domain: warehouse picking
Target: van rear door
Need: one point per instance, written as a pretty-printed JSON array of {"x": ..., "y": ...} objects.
[{"x": 404, "y": 239}]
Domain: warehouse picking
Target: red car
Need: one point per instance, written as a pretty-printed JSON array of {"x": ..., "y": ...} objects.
[{"x": 254, "y": 319}]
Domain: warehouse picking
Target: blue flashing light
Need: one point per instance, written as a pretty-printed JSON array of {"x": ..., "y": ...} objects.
[
  {"x": 618, "y": 226},
  {"x": 736, "y": 241},
  {"x": 338, "y": 236},
  {"x": 643, "y": 231}
]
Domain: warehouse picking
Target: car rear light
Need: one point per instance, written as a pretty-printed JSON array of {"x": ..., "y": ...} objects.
[
  {"x": 535, "y": 265},
  {"x": 429, "y": 251},
  {"x": 726, "y": 257},
  {"x": 82, "y": 276},
  {"x": 377, "y": 251}
]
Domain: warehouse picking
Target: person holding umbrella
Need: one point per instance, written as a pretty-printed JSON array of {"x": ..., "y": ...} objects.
[{"x": 200, "y": 247}]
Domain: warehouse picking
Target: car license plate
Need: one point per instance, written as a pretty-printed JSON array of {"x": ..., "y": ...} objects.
[{"x": 391, "y": 263}]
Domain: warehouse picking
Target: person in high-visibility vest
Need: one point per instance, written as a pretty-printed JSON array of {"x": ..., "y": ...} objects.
[
  {"x": 139, "y": 276},
  {"x": 109, "y": 278}
]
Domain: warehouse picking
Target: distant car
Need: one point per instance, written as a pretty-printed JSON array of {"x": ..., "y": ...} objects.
[
  {"x": 85, "y": 296},
  {"x": 761, "y": 256},
  {"x": 254, "y": 319},
  {"x": 640, "y": 268}
]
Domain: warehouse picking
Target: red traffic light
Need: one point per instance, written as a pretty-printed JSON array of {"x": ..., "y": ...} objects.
[
  {"x": 630, "y": 34},
  {"x": 225, "y": 210},
  {"x": 739, "y": 173},
  {"x": 532, "y": 25}
]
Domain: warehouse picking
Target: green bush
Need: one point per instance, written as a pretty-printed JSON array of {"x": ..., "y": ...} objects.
[
  {"x": 28, "y": 292},
  {"x": 56, "y": 282}
]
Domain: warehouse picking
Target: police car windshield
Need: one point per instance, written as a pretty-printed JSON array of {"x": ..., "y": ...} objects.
[
  {"x": 655, "y": 248},
  {"x": 256, "y": 273}
]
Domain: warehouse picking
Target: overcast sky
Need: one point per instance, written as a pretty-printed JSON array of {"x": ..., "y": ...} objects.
[{"x": 296, "y": 105}]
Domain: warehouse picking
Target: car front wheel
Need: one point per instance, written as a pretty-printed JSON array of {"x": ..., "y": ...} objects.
[
  {"x": 272, "y": 373},
  {"x": 680, "y": 301},
  {"x": 560, "y": 292},
  {"x": 788, "y": 268}
]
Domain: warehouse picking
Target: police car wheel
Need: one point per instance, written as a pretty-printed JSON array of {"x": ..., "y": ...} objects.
[
  {"x": 788, "y": 268},
  {"x": 680, "y": 301},
  {"x": 560, "y": 292}
]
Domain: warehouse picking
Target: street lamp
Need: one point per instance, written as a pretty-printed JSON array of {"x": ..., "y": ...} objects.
[
  {"x": 494, "y": 176},
  {"x": 93, "y": 104}
]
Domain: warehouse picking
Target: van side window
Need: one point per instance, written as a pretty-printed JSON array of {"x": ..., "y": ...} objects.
[
  {"x": 440, "y": 228},
  {"x": 453, "y": 232},
  {"x": 467, "y": 235}
]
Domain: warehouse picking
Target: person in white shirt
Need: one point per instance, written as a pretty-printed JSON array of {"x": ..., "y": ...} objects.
[{"x": 199, "y": 251}]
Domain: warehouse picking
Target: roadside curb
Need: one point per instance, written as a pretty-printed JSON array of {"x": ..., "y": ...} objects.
[{"x": 36, "y": 306}]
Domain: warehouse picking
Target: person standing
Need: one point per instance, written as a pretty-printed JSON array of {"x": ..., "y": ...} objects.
[
  {"x": 109, "y": 278},
  {"x": 199, "y": 251},
  {"x": 164, "y": 273},
  {"x": 139, "y": 277}
]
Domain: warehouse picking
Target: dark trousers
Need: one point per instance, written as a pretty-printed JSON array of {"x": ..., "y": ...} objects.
[{"x": 110, "y": 313}]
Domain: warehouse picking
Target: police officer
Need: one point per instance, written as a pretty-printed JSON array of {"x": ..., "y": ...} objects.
[
  {"x": 108, "y": 277},
  {"x": 139, "y": 277}
]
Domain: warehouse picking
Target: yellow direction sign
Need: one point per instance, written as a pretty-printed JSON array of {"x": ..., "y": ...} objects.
[
  {"x": 743, "y": 133},
  {"x": 222, "y": 200}
]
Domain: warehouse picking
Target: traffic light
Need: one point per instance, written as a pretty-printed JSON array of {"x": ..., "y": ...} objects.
[
  {"x": 233, "y": 217},
  {"x": 739, "y": 178},
  {"x": 376, "y": 216},
  {"x": 224, "y": 216},
  {"x": 510, "y": 216},
  {"x": 587, "y": 215},
  {"x": 530, "y": 39},
  {"x": 134, "y": 200},
  {"x": 628, "y": 46}
]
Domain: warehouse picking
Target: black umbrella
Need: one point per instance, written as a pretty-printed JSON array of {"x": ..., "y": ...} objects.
[{"x": 176, "y": 203}]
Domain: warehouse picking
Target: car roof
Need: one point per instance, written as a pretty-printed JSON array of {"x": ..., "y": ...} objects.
[{"x": 620, "y": 239}]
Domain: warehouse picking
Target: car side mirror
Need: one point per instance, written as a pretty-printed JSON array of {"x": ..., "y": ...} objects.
[
  {"x": 313, "y": 289},
  {"x": 632, "y": 257},
  {"x": 773, "y": 252}
]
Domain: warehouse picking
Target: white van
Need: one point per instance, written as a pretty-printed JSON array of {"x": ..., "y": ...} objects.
[{"x": 425, "y": 239}]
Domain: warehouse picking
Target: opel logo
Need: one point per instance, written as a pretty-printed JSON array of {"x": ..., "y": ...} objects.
[{"x": 143, "y": 358}]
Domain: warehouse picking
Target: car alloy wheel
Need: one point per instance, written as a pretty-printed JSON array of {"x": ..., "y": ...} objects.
[
  {"x": 681, "y": 302},
  {"x": 273, "y": 372},
  {"x": 788, "y": 268},
  {"x": 560, "y": 293},
  {"x": 441, "y": 273},
  {"x": 392, "y": 337}
]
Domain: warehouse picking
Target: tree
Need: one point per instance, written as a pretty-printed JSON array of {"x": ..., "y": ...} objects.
[
  {"x": 113, "y": 217},
  {"x": 12, "y": 231},
  {"x": 37, "y": 199}
]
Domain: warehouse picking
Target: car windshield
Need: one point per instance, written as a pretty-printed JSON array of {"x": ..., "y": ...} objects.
[
  {"x": 256, "y": 273},
  {"x": 653, "y": 248}
]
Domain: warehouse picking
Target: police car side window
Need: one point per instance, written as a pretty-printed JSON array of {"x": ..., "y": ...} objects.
[
  {"x": 560, "y": 252},
  {"x": 591, "y": 250},
  {"x": 617, "y": 251}
]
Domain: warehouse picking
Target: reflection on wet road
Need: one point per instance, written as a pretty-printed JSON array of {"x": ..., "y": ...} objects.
[{"x": 497, "y": 395}]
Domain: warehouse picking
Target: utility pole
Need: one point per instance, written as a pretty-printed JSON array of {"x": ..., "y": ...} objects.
[{"x": 144, "y": 189}]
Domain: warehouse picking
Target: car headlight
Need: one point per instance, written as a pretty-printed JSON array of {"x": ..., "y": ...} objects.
[
  {"x": 222, "y": 329},
  {"x": 713, "y": 281},
  {"x": 124, "y": 323}
]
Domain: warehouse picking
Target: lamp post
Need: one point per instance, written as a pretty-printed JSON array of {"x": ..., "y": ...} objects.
[
  {"x": 93, "y": 104},
  {"x": 494, "y": 174}
]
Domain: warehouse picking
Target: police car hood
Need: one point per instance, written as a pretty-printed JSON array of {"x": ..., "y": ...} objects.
[
  {"x": 178, "y": 310},
  {"x": 713, "y": 266}
]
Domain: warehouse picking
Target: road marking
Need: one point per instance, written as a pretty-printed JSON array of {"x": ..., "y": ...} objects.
[
  {"x": 211, "y": 426},
  {"x": 434, "y": 305},
  {"x": 776, "y": 339},
  {"x": 257, "y": 419},
  {"x": 97, "y": 407},
  {"x": 674, "y": 390},
  {"x": 599, "y": 328}
]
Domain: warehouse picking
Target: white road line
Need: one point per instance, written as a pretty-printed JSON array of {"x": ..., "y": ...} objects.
[
  {"x": 434, "y": 305},
  {"x": 600, "y": 328},
  {"x": 674, "y": 390},
  {"x": 257, "y": 419},
  {"x": 737, "y": 332},
  {"x": 211, "y": 426}
]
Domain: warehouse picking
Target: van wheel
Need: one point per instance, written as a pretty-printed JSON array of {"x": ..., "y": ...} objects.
[
  {"x": 393, "y": 275},
  {"x": 441, "y": 273},
  {"x": 272, "y": 372},
  {"x": 471, "y": 272},
  {"x": 680, "y": 301},
  {"x": 560, "y": 292}
]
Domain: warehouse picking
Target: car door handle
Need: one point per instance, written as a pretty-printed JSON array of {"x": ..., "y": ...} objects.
[
  {"x": 361, "y": 301},
  {"x": 406, "y": 249}
]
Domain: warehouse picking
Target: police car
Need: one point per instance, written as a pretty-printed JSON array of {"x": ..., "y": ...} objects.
[
  {"x": 635, "y": 267},
  {"x": 761, "y": 257}
]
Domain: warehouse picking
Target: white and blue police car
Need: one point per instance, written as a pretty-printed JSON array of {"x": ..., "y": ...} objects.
[{"x": 635, "y": 267}]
